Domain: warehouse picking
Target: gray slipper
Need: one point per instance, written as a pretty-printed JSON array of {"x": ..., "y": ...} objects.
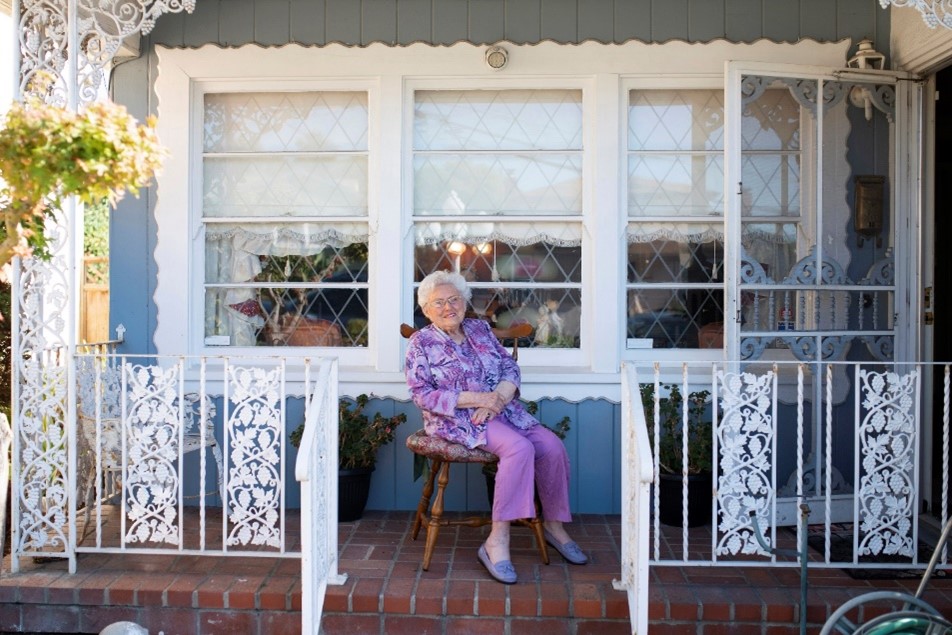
[
  {"x": 502, "y": 571},
  {"x": 569, "y": 550}
]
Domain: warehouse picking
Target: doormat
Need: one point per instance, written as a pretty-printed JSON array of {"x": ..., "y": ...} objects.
[{"x": 841, "y": 550}]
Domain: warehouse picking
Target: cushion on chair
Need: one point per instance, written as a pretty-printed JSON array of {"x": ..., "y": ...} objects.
[{"x": 437, "y": 448}]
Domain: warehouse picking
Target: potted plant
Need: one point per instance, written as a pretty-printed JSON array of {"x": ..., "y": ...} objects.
[
  {"x": 672, "y": 461},
  {"x": 49, "y": 153},
  {"x": 359, "y": 439}
]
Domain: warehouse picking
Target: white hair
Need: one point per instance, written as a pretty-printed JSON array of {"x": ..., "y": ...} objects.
[{"x": 437, "y": 278}]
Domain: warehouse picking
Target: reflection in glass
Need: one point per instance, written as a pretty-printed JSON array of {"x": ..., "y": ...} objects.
[
  {"x": 495, "y": 268},
  {"x": 286, "y": 296}
]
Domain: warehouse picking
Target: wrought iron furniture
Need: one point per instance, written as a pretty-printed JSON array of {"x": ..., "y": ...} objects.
[
  {"x": 441, "y": 454},
  {"x": 100, "y": 416}
]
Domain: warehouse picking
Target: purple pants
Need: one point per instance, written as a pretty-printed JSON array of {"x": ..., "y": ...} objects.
[{"x": 528, "y": 460}]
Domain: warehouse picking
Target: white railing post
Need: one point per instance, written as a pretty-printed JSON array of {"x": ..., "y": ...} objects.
[
  {"x": 637, "y": 473},
  {"x": 316, "y": 470}
]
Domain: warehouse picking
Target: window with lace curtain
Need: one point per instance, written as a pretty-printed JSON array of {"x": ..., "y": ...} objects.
[
  {"x": 497, "y": 196},
  {"x": 675, "y": 264},
  {"x": 284, "y": 214}
]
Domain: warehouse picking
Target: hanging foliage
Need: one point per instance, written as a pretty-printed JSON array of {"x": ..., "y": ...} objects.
[{"x": 48, "y": 153}]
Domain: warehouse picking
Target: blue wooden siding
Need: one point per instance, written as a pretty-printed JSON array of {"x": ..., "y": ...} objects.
[
  {"x": 594, "y": 439},
  {"x": 591, "y": 442}
]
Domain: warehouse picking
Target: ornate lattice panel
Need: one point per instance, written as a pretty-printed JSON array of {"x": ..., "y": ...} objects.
[
  {"x": 40, "y": 456},
  {"x": 254, "y": 425},
  {"x": 41, "y": 459},
  {"x": 888, "y": 437},
  {"x": 152, "y": 429},
  {"x": 745, "y": 438}
]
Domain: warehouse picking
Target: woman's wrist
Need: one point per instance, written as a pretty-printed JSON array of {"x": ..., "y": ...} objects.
[{"x": 506, "y": 391}]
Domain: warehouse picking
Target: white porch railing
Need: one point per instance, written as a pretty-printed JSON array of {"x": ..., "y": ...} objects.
[
  {"x": 637, "y": 474},
  {"x": 182, "y": 454},
  {"x": 316, "y": 470},
  {"x": 845, "y": 439}
]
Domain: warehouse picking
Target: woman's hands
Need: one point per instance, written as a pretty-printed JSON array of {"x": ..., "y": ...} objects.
[
  {"x": 487, "y": 404},
  {"x": 482, "y": 415}
]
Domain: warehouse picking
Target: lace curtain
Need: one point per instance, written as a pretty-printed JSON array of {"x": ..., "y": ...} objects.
[{"x": 234, "y": 254}]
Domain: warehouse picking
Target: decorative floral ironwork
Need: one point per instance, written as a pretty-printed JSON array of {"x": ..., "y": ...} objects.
[
  {"x": 255, "y": 425},
  {"x": 934, "y": 12},
  {"x": 42, "y": 297},
  {"x": 888, "y": 437},
  {"x": 152, "y": 442},
  {"x": 745, "y": 438}
]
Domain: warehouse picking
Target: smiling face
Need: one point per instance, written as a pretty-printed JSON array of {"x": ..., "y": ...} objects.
[{"x": 445, "y": 308}]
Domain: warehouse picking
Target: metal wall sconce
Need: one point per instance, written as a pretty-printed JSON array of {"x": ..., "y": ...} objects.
[
  {"x": 497, "y": 57},
  {"x": 866, "y": 57}
]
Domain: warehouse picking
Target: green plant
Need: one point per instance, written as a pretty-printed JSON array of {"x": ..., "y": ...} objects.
[
  {"x": 671, "y": 428},
  {"x": 357, "y": 331},
  {"x": 359, "y": 437},
  {"x": 48, "y": 153}
]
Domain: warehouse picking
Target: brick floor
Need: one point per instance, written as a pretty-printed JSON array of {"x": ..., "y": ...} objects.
[{"x": 387, "y": 592}]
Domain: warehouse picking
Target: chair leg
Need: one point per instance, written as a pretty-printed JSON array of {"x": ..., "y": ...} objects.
[
  {"x": 536, "y": 524},
  {"x": 424, "y": 505},
  {"x": 436, "y": 515}
]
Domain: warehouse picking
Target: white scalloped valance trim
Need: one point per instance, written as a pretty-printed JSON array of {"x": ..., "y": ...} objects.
[
  {"x": 288, "y": 240},
  {"x": 696, "y": 233},
  {"x": 677, "y": 232},
  {"x": 749, "y": 236},
  {"x": 513, "y": 234}
]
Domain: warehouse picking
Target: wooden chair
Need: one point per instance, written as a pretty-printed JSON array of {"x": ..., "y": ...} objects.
[{"x": 442, "y": 453}]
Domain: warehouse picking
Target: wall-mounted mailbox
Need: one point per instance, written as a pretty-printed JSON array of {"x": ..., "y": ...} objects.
[{"x": 869, "y": 208}]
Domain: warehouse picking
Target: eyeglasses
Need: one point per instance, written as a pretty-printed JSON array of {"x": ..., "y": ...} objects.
[{"x": 440, "y": 303}]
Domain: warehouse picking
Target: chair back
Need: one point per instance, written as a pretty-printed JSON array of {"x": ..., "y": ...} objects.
[{"x": 513, "y": 332}]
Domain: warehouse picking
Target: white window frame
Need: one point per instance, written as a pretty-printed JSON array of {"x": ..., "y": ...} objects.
[
  {"x": 200, "y": 223},
  {"x": 528, "y": 357},
  {"x": 604, "y": 72},
  {"x": 647, "y": 84}
]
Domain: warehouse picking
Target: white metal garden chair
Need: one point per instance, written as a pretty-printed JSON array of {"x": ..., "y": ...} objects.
[{"x": 99, "y": 406}]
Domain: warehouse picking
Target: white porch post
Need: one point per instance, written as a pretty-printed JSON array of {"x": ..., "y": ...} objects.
[{"x": 47, "y": 36}]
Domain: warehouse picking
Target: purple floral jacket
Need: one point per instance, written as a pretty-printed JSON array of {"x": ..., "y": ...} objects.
[{"x": 438, "y": 370}]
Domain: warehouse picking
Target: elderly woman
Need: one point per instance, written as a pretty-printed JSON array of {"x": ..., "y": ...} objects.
[{"x": 466, "y": 385}]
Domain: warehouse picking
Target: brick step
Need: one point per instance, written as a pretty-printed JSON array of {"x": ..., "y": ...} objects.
[{"x": 387, "y": 592}]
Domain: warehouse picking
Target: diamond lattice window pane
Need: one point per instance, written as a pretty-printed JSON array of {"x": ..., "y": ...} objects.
[
  {"x": 554, "y": 313},
  {"x": 497, "y": 120},
  {"x": 496, "y": 261},
  {"x": 328, "y": 298},
  {"x": 771, "y": 185},
  {"x": 274, "y": 316},
  {"x": 772, "y": 245},
  {"x": 673, "y": 318},
  {"x": 675, "y": 185},
  {"x": 676, "y": 120},
  {"x": 281, "y": 156},
  {"x": 487, "y": 231},
  {"x": 672, "y": 261},
  {"x": 285, "y": 122},
  {"x": 518, "y": 184},
  {"x": 286, "y": 186},
  {"x": 772, "y": 122}
]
